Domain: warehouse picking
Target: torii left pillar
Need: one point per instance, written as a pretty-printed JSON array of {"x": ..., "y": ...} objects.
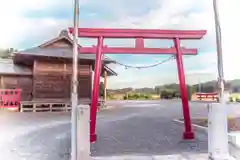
[
  {"x": 97, "y": 74},
  {"x": 188, "y": 134}
]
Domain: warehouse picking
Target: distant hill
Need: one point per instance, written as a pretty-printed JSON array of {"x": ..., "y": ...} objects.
[
  {"x": 132, "y": 90},
  {"x": 209, "y": 86},
  {"x": 235, "y": 83},
  {"x": 145, "y": 90},
  {"x": 212, "y": 85},
  {"x": 120, "y": 91}
]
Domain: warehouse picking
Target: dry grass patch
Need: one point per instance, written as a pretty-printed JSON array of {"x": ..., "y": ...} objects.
[{"x": 233, "y": 123}]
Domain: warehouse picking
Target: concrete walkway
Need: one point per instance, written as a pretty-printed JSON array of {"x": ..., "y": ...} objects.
[
  {"x": 141, "y": 130},
  {"x": 161, "y": 157}
]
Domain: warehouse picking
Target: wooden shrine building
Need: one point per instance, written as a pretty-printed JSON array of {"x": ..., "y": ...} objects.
[{"x": 44, "y": 72}]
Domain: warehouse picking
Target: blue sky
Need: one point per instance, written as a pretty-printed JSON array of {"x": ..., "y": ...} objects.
[{"x": 31, "y": 22}]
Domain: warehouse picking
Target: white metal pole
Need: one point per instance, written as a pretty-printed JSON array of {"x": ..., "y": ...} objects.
[
  {"x": 74, "y": 95},
  {"x": 219, "y": 137},
  {"x": 219, "y": 49}
]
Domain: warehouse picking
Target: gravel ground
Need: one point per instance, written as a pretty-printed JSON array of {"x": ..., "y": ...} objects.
[
  {"x": 233, "y": 123},
  {"x": 132, "y": 127},
  {"x": 144, "y": 133}
]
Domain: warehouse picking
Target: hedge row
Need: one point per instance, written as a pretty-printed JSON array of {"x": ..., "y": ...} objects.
[
  {"x": 234, "y": 99},
  {"x": 136, "y": 96}
]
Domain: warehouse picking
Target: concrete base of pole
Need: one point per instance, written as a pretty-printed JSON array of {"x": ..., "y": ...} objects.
[
  {"x": 222, "y": 157},
  {"x": 84, "y": 156},
  {"x": 218, "y": 147},
  {"x": 93, "y": 138},
  {"x": 83, "y": 130},
  {"x": 74, "y": 127},
  {"x": 188, "y": 135},
  {"x": 234, "y": 138},
  {"x": 218, "y": 132}
]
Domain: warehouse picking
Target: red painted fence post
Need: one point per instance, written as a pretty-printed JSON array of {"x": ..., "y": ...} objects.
[
  {"x": 95, "y": 93},
  {"x": 10, "y": 98},
  {"x": 188, "y": 134}
]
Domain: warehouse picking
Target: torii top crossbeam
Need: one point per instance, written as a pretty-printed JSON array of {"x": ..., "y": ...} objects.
[{"x": 139, "y": 35}]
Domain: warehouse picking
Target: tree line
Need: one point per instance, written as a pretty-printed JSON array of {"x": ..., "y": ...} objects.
[
  {"x": 169, "y": 91},
  {"x": 7, "y": 53}
]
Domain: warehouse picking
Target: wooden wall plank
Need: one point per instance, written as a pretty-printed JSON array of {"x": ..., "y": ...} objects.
[{"x": 53, "y": 80}]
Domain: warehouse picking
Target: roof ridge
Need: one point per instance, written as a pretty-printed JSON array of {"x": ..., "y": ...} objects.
[{"x": 64, "y": 33}]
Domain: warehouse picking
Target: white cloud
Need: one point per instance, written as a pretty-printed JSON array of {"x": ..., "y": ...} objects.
[
  {"x": 169, "y": 17},
  {"x": 16, "y": 27},
  {"x": 17, "y": 30},
  {"x": 199, "y": 68},
  {"x": 230, "y": 33},
  {"x": 166, "y": 73},
  {"x": 185, "y": 14},
  {"x": 139, "y": 78}
]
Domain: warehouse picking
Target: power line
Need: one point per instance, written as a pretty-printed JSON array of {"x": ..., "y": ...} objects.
[{"x": 145, "y": 66}]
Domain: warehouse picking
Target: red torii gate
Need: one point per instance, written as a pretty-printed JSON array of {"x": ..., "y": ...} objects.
[{"x": 139, "y": 35}]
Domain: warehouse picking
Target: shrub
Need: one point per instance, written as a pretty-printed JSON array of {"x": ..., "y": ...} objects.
[
  {"x": 111, "y": 97},
  {"x": 168, "y": 94},
  {"x": 147, "y": 96},
  {"x": 237, "y": 99},
  {"x": 231, "y": 99},
  {"x": 136, "y": 96}
]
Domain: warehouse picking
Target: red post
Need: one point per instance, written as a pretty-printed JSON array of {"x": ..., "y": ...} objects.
[
  {"x": 188, "y": 134},
  {"x": 95, "y": 93}
]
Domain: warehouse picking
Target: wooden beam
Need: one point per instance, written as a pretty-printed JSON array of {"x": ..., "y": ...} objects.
[
  {"x": 105, "y": 86},
  {"x": 136, "y": 50},
  {"x": 138, "y": 33},
  {"x": 2, "y": 82},
  {"x": 91, "y": 80},
  {"x": 33, "y": 79}
]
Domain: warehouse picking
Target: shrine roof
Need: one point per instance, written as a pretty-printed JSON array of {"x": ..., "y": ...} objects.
[{"x": 7, "y": 67}]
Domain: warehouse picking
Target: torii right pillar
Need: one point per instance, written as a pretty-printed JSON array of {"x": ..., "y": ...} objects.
[{"x": 188, "y": 133}]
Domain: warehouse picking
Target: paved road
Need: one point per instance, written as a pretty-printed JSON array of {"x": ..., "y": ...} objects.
[
  {"x": 34, "y": 135},
  {"x": 134, "y": 127},
  {"x": 145, "y": 130}
]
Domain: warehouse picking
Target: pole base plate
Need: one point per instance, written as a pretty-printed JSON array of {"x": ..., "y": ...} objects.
[
  {"x": 93, "y": 138},
  {"x": 188, "y": 135}
]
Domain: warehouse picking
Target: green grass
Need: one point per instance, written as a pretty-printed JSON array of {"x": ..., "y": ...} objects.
[{"x": 235, "y": 96}]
